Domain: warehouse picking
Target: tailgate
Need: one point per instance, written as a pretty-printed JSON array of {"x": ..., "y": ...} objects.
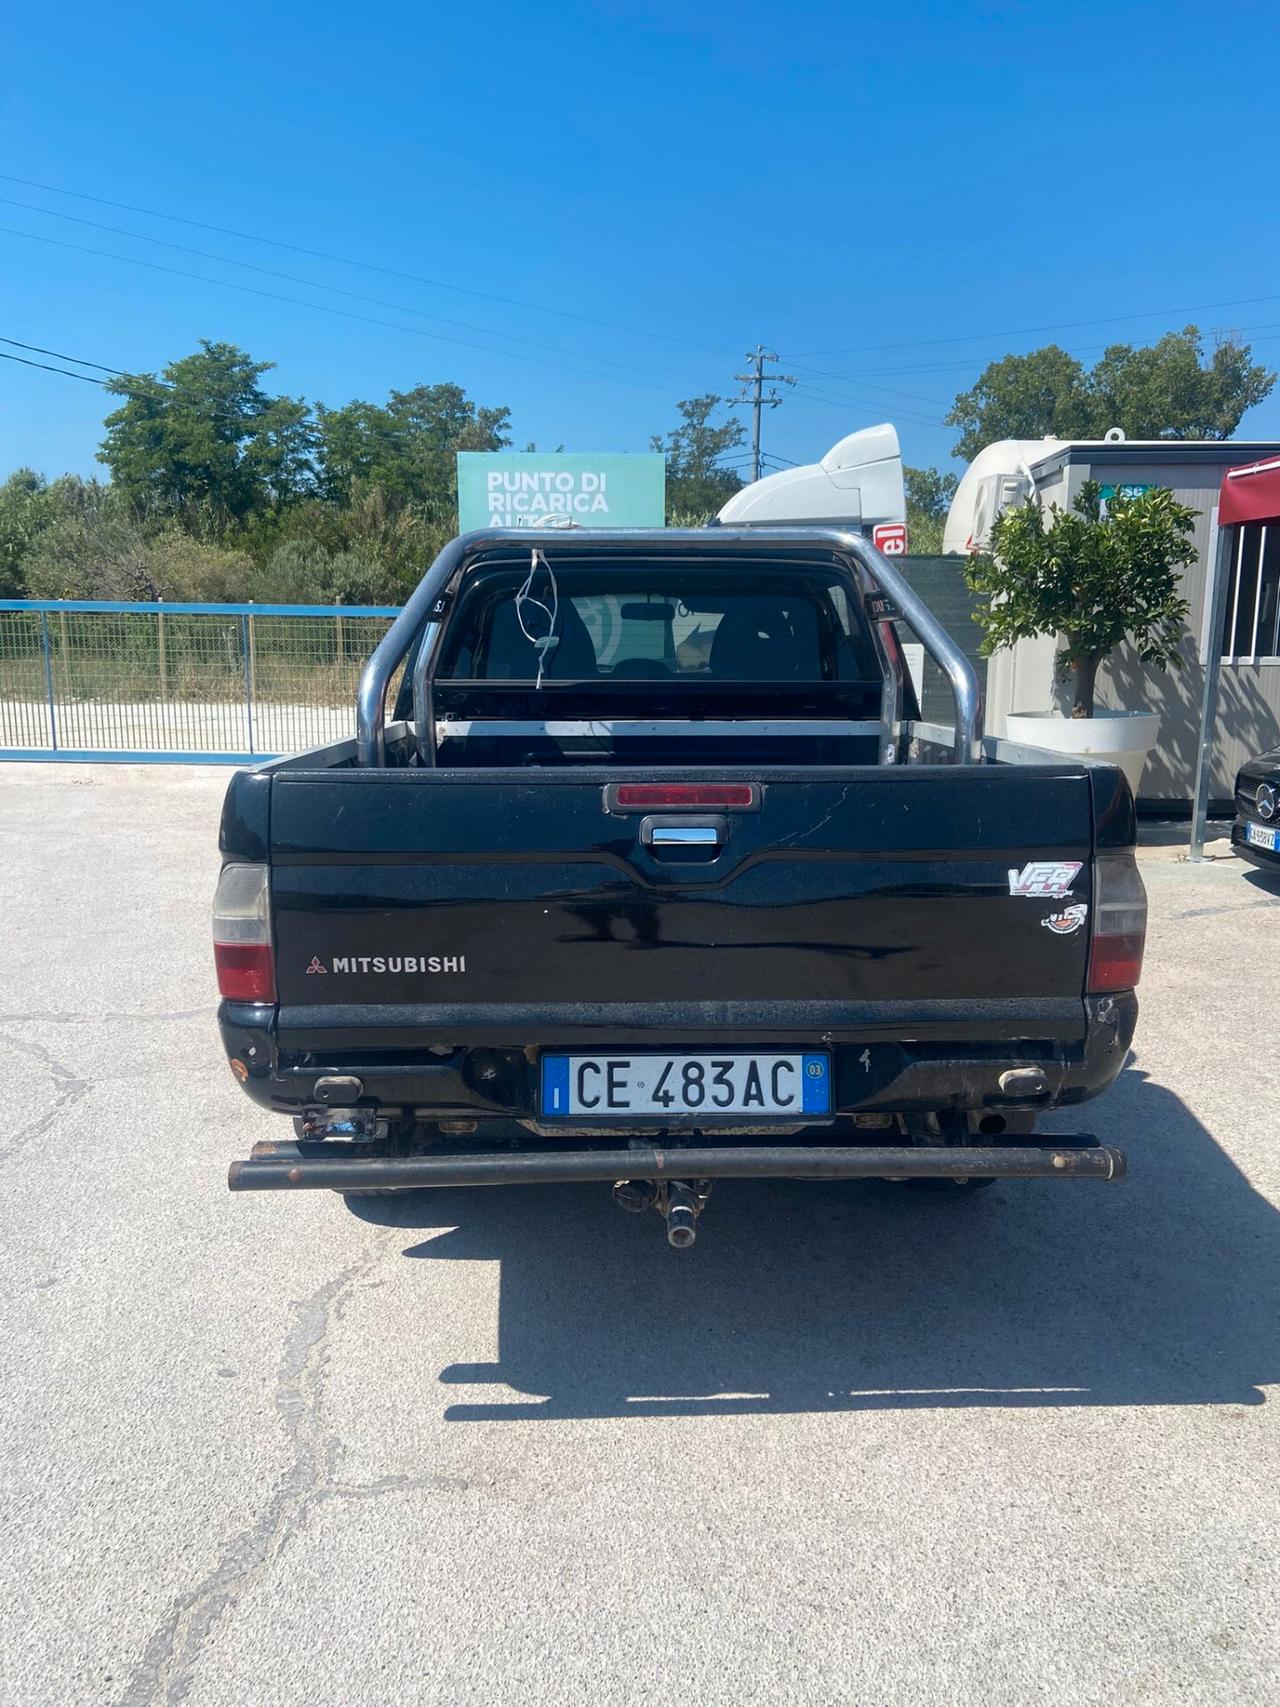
[{"x": 931, "y": 902}]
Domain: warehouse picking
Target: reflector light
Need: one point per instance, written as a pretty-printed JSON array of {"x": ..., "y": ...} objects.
[{"x": 648, "y": 796}]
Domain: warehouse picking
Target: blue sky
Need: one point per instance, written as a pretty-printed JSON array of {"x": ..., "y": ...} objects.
[{"x": 887, "y": 195}]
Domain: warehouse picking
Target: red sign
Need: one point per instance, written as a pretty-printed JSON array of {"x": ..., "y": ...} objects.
[{"x": 891, "y": 538}]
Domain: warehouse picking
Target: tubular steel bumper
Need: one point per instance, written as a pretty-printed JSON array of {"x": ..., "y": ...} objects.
[{"x": 286, "y": 1167}]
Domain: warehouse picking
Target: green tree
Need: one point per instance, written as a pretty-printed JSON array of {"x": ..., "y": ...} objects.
[
  {"x": 203, "y": 440},
  {"x": 1094, "y": 576},
  {"x": 1163, "y": 390},
  {"x": 28, "y": 505},
  {"x": 407, "y": 447},
  {"x": 929, "y": 492},
  {"x": 697, "y": 484},
  {"x": 1023, "y": 397}
]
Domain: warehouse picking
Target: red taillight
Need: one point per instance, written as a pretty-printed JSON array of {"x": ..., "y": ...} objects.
[
  {"x": 652, "y": 796},
  {"x": 246, "y": 971},
  {"x": 1119, "y": 924},
  {"x": 242, "y": 934},
  {"x": 1115, "y": 963}
]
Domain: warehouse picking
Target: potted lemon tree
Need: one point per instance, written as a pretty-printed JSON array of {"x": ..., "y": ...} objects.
[{"x": 1096, "y": 576}]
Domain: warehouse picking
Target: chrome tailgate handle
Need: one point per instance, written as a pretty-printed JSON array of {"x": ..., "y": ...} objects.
[
  {"x": 672, "y": 837},
  {"x": 683, "y": 835}
]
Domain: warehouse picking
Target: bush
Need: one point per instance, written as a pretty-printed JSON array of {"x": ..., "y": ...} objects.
[
  {"x": 191, "y": 569},
  {"x": 304, "y": 572},
  {"x": 92, "y": 549}
]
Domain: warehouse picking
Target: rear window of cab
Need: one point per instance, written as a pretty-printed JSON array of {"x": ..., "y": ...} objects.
[{"x": 664, "y": 623}]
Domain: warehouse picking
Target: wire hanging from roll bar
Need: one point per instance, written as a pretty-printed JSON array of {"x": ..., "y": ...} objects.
[{"x": 525, "y": 597}]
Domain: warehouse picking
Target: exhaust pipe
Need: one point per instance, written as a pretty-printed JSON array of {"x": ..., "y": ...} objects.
[{"x": 681, "y": 1212}]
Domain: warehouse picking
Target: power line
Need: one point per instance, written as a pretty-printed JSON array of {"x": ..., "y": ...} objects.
[
  {"x": 567, "y": 314},
  {"x": 889, "y": 390},
  {"x": 967, "y": 364},
  {"x": 315, "y": 284},
  {"x": 44, "y": 366},
  {"x": 327, "y": 308},
  {"x": 163, "y": 391},
  {"x": 878, "y": 411},
  {"x": 821, "y": 395},
  {"x": 366, "y": 266},
  {"x": 74, "y": 360},
  {"x": 243, "y": 421},
  {"x": 1052, "y": 326}
]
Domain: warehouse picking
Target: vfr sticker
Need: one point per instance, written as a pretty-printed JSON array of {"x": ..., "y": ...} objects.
[
  {"x": 1068, "y": 921},
  {"x": 1045, "y": 879}
]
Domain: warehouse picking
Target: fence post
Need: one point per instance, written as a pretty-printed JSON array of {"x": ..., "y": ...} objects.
[
  {"x": 342, "y": 652},
  {"x": 163, "y": 650},
  {"x": 48, "y": 679},
  {"x": 246, "y": 648}
]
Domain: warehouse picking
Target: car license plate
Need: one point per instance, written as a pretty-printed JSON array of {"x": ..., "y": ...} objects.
[
  {"x": 670, "y": 1087},
  {"x": 1261, "y": 836}
]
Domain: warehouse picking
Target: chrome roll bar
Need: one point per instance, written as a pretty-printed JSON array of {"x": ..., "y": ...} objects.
[{"x": 877, "y": 574}]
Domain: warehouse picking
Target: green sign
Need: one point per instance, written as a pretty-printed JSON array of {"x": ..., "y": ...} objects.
[
  {"x": 504, "y": 489},
  {"x": 1129, "y": 489}
]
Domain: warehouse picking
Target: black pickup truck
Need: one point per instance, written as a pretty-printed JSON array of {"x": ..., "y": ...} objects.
[{"x": 656, "y": 877}]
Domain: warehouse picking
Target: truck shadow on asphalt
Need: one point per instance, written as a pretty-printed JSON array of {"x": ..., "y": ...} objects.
[
  {"x": 1160, "y": 1290},
  {"x": 1266, "y": 882}
]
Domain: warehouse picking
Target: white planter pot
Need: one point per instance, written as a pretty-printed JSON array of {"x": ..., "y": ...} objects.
[{"x": 1121, "y": 738}]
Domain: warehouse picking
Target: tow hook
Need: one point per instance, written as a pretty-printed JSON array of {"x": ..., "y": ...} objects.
[
  {"x": 679, "y": 1202},
  {"x": 635, "y": 1195}
]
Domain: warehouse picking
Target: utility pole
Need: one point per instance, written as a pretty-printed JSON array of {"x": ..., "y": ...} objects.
[{"x": 755, "y": 395}]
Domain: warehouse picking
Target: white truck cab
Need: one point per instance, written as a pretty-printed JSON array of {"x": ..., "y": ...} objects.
[{"x": 858, "y": 484}]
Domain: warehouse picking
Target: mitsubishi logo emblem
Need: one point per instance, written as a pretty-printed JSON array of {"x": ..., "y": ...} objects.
[{"x": 315, "y": 966}]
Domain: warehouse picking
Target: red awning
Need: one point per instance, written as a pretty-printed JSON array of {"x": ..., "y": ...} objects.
[{"x": 1251, "y": 493}]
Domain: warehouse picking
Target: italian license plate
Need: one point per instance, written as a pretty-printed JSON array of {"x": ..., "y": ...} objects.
[
  {"x": 1261, "y": 836},
  {"x": 668, "y": 1087}
]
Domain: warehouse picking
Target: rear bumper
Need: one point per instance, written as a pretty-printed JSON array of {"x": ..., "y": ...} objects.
[
  {"x": 482, "y": 1065},
  {"x": 293, "y": 1167}
]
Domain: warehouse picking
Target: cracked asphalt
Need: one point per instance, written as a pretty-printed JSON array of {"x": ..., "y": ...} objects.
[{"x": 859, "y": 1445}]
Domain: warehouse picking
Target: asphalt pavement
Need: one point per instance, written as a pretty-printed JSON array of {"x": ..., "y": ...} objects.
[{"x": 859, "y": 1445}]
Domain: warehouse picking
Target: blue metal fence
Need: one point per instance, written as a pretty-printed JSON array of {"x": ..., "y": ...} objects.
[{"x": 89, "y": 679}]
